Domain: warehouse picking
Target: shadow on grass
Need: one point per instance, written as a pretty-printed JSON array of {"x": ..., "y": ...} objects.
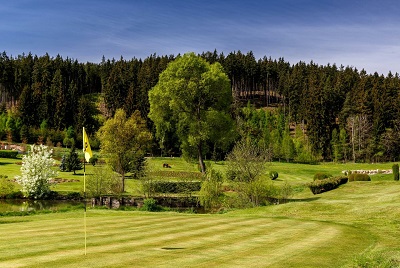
[
  {"x": 304, "y": 199},
  {"x": 5, "y": 163},
  {"x": 171, "y": 248},
  {"x": 79, "y": 174}
]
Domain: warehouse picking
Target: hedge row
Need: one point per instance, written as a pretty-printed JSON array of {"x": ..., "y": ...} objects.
[
  {"x": 8, "y": 154},
  {"x": 177, "y": 174},
  {"x": 359, "y": 177},
  {"x": 173, "y": 186},
  {"x": 321, "y": 176},
  {"x": 320, "y": 186}
]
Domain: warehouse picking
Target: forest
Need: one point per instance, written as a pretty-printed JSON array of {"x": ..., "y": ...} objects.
[{"x": 302, "y": 112}]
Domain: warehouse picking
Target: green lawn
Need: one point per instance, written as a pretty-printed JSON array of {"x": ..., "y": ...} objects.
[
  {"x": 356, "y": 225},
  {"x": 359, "y": 222},
  {"x": 133, "y": 239}
]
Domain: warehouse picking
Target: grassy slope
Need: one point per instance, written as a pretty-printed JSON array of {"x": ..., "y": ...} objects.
[{"x": 327, "y": 230}]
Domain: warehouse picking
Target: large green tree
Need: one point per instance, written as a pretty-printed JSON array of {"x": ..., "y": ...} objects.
[
  {"x": 124, "y": 141},
  {"x": 188, "y": 96}
]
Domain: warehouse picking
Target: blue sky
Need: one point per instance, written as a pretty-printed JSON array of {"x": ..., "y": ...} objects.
[{"x": 362, "y": 34}]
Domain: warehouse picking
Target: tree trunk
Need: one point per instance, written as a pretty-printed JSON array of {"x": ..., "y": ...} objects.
[
  {"x": 201, "y": 161},
  {"x": 123, "y": 182}
]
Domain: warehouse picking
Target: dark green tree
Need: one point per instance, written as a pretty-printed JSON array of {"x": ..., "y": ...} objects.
[{"x": 73, "y": 162}]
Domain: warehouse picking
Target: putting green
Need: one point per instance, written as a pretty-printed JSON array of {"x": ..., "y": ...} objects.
[{"x": 136, "y": 239}]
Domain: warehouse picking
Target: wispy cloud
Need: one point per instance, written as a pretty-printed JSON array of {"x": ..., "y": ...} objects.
[{"x": 363, "y": 34}]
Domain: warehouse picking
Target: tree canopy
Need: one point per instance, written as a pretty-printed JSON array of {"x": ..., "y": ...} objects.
[
  {"x": 124, "y": 141},
  {"x": 190, "y": 96},
  {"x": 66, "y": 93}
]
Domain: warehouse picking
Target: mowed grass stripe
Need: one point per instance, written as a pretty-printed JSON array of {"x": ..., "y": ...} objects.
[
  {"x": 166, "y": 234},
  {"x": 202, "y": 252},
  {"x": 61, "y": 227},
  {"x": 150, "y": 250},
  {"x": 256, "y": 246},
  {"x": 117, "y": 231},
  {"x": 102, "y": 248},
  {"x": 70, "y": 235},
  {"x": 150, "y": 245}
]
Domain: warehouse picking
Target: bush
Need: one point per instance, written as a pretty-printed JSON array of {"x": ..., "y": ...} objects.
[
  {"x": 15, "y": 195},
  {"x": 273, "y": 175},
  {"x": 395, "y": 169},
  {"x": 8, "y": 154},
  {"x": 150, "y": 205},
  {"x": 211, "y": 191},
  {"x": 285, "y": 192},
  {"x": 320, "y": 186},
  {"x": 74, "y": 196},
  {"x": 321, "y": 176},
  {"x": 6, "y": 186},
  {"x": 359, "y": 177},
  {"x": 93, "y": 160},
  {"x": 36, "y": 172}
]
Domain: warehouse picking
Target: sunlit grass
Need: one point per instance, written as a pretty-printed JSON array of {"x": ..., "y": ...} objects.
[{"x": 354, "y": 225}]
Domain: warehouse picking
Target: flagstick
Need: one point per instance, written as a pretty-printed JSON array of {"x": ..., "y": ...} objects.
[
  {"x": 84, "y": 197},
  {"x": 86, "y": 149}
]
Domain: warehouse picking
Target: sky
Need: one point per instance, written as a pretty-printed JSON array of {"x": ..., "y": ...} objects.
[{"x": 360, "y": 34}]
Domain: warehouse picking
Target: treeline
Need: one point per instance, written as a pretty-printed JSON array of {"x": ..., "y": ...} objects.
[{"x": 344, "y": 114}]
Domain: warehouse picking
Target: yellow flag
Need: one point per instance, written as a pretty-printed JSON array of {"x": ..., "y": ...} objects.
[{"x": 86, "y": 146}]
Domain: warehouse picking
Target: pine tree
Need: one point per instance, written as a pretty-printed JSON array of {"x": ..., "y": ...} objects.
[
  {"x": 73, "y": 162},
  {"x": 63, "y": 165}
]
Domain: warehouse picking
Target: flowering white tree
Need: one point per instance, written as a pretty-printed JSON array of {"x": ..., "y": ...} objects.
[{"x": 36, "y": 172}]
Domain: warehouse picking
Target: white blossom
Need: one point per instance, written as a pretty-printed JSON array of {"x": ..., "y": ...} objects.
[{"x": 36, "y": 171}]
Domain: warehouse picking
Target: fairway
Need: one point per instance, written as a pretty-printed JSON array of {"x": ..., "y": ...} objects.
[
  {"x": 348, "y": 227},
  {"x": 136, "y": 239}
]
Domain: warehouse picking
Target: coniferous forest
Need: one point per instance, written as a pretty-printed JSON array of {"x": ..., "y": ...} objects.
[{"x": 301, "y": 112}]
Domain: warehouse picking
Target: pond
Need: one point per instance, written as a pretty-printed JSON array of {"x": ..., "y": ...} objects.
[
  {"x": 7, "y": 205},
  {"x": 19, "y": 205}
]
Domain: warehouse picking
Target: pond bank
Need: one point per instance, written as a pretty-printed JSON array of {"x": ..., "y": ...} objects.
[{"x": 179, "y": 203}]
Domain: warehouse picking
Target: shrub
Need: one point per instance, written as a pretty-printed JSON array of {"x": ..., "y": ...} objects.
[
  {"x": 285, "y": 192},
  {"x": 150, "y": 205},
  {"x": 359, "y": 177},
  {"x": 211, "y": 189},
  {"x": 93, "y": 160},
  {"x": 103, "y": 181},
  {"x": 36, "y": 172},
  {"x": 273, "y": 175},
  {"x": 321, "y": 176},
  {"x": 8, "y": 154},
  {"x": 6, "y": 186},
  {"x": 395, "y": 169},
  {"x": 74, "y": 196},
  {"x": 15, "y": 195},
  {"x": 320, "y": 186}
]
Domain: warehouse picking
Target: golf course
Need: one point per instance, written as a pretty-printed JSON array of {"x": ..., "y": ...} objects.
[{"x": 355, "y": 225}]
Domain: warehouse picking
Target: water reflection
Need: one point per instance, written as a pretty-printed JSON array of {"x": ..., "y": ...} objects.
[{"x": 7, "y": 205}]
